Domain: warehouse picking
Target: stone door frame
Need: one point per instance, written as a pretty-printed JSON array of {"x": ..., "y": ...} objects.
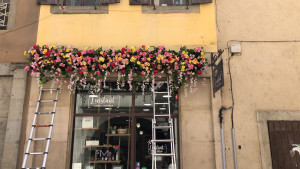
[{"x": 262, "y": 118}]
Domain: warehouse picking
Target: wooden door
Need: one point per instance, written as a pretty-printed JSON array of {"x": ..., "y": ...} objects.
[{"x": 282, "y": 135}]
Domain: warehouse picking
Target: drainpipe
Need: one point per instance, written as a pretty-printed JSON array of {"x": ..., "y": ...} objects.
[{"x": 222, "y": 138}]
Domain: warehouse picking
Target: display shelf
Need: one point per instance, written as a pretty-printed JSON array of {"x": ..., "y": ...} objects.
[
  {"x": 103, "y": 161},
  {"x": 87, "y": 128},
  {"x": 99, "y": 146},
  {"x": 118, "y": 135}
]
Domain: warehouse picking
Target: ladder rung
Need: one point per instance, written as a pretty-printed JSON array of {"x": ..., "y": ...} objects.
[
  {"x": 44, "y": 112},
  {"x": 37, "y": 153},
  {"x": 161, "y": 103},
  {"x": 37, "y": 139},
  {"x": 162, "y": 127},
  {"x": 45, "y": 101},
  {"x": 161, "y": 115},
  {"x": 160, "y": 92},
  {"x": 165, "y": 140},
  {"x": 42, "y": 125},
  {"x": 163, "y": 154},
  {"x": 50, "y": 89}
]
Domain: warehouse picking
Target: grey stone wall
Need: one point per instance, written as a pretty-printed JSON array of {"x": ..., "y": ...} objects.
[
  {"x": 12, "y": 94},
  {"x": 5, "y": 92}
]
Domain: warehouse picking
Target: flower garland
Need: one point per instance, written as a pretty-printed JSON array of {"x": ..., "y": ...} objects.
[{"x": 134, "y": 66}]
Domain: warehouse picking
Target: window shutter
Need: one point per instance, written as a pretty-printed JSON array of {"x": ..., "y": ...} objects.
[
  {"x": 201, "y": 1},
  {"x": 47, "y": 2},
  {"x": 109, "y": 1},
  {"x": 140, "y": 2}
]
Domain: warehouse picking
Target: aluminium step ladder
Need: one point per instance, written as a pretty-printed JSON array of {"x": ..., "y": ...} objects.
[
  {"x": 34, "y": 126},
  {"x": 156, "y": 126}
]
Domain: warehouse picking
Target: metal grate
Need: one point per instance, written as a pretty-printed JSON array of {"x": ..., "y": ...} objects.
[{"x": 4, "y": 9}]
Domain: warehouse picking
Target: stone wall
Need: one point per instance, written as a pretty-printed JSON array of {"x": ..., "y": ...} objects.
[
  {"x": 13, "y": 86},
  {"x": 265, "y": 75},
  {"x": 5, "y": 90}
]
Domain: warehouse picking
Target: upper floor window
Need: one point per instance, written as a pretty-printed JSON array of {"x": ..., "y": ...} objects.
[
  {"x": 169, "y": 2},
  {"x": 82, "y": 2},
  {"x": 135, "y": 2},
  {"x": 4, "y": 9}
]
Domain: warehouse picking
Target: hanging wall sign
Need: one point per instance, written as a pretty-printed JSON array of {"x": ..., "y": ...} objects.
[{"x": 218, "y": 77}]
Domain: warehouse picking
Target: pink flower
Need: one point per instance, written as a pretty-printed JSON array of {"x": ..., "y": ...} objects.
[
  {"x": 26, "y": 68},
  {"x": 36, "y": 56},
  {"x": 161, "y": 47},
  {"x": 198, "y": 49},
  {"x": 164, "y": 60},
  {"x": 191, "y": 66},
  {"x": 143, "y": 73},
  {"x": 97, "y": 72},
  {"x": 62, "y": 65}
]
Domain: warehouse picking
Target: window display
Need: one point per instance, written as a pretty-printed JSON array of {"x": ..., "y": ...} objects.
[{"x": 103, "y": 127}]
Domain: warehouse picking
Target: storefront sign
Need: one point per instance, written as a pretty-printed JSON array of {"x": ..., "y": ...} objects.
[
  {"x": 218, "y": 77},
  {"x": 159, "y": 148},
  {"x": 104, "y": 100}
]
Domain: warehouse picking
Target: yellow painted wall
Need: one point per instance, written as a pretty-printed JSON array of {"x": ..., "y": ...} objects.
[{"x": 126, "y": 25}]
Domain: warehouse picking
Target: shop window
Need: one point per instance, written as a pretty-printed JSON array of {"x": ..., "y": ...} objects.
[
  {"x": 4, "y": 10},
  {"x": 113, "y": 129},
  {"x": 89, "y": 2}
]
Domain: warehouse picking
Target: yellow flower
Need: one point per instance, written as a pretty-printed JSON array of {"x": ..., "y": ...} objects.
[
  {"x": 146, "y": 68},
  {"x": 85, "y": 73},
  {"x": 138, "y": 62},
  {"x": 44, "y": 51},
  {"x": 146, "y": 47},
  {"x": 69, "y": 63},
  {"x": 101, "y": 53},
  {"x": 84, "y": 63},
  {"x": 132, "y": 59},
  {"x": 148, "y": 59},
  {"x": 203, "y": 56},
  {"x": 172, "y": 60},
  {"x": 126, "y": 62},
  {"x": 104, "y": 66},
  {"x": 132, "y": 49},
  {"x": 67, "y": 50},
  {"x": 101, "y": 59},
  {"x": 202, "y": 53},
  {"x": 25, "y": 53},
  {"x": 182, "y": 68}
]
